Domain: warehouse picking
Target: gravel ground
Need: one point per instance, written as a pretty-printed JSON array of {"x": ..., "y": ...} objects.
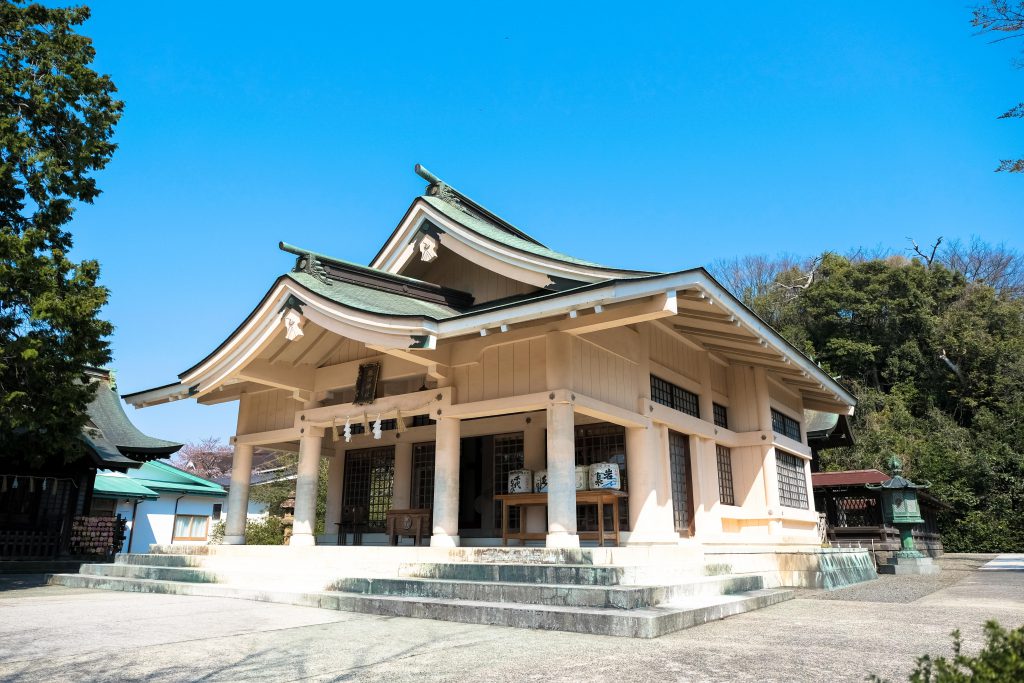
[
  {"x": 51, "y": 633},
  {"x": 892, "y": 588}
]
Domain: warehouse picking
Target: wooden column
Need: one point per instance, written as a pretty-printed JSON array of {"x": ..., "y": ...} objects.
[
  {"x": 238, "y": 495},
  {"x": 306, "y": 487},
  {"x": 335, "y": 481},
  {"x": 561, "y": 477},
  {"x": 768, "y": 466},
  {"x": 446, "y": 484},
  {"x": 403, "y": 474},
  {"x": 650, "y": 492}
]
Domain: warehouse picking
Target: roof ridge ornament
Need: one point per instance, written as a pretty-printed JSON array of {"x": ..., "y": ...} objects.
[
  {"x": 308, "y": 263},
  {"x": 443, "y": 191}
]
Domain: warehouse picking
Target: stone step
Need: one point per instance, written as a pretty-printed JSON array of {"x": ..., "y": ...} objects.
[
  {"x": 618, "y": 597},
  {"x": 649, "y": 622},
  {"x": 152, "y": 560},
  {"x": 573, "y": 574},
  {"x": 156, "y": 572}
]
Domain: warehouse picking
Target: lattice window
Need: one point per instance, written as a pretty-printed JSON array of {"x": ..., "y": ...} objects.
[
  {"x": 508, "y": 456},
  {"x": 857, "y": 511},
  {"x": 792, "y": 480},
  {"x": 668, "y": 394},
  {"x": 421, "y": 420},
  {"x": 785, "y": 425},
  {"x": 602, "y": 443},
  {"x": 422, "y": 475},
  {"x": 721, "y": 415},
  {"x": 679, "y": 464},
  {"x": 369, "y": 484},
  {"x": 726, "y": 492}
]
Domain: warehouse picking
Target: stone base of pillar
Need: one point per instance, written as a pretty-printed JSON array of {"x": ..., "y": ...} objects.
[
  {"x": 562, "y": 540},
  {"x": 444, "y": 541},
  {"x": 303, "y": 540},
  {"x": 234, "y": 540}
]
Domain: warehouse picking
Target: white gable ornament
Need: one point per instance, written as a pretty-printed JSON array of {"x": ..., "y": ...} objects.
[
  {"x": 428, "y": 248},
  {"x": 293, "y": 321}
]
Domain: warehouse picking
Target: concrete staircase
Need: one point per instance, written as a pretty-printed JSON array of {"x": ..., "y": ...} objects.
[{"x": 564, "y": 592}]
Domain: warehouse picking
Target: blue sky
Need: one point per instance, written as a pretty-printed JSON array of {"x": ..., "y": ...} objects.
[{"x": 649, "y": 138}]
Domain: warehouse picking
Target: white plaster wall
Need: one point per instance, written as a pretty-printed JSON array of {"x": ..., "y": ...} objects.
[{"x": 155, "y": 524}]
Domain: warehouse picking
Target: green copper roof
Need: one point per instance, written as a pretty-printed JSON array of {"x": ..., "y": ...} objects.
[
  {"x": 159, "y": 476},
  {"x": 110, "y": 485},
  {"x": 497, "y": 234},
  {"x": 372, "y": 300}
]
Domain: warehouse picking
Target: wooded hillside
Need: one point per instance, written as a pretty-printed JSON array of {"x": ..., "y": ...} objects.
[{"x": 933, "y": 346}]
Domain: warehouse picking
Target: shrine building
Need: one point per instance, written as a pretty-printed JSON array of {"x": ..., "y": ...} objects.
[{"x": 468, "y": 349}]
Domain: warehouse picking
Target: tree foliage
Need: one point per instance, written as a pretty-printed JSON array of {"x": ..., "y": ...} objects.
[
  {"x": 57, "y": 117},
  {"x": 1004, "y": 20},
  {"x": 209, "y": 458},
  {"x": 936, "y": 356}
]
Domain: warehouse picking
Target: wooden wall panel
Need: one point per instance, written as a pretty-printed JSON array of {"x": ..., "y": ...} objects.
[
  {"x": 266, "y": 411},
  {"x": 451, "y": 270},
  {"x": 604, "y": 375},
  {"x": 347, "y": 350},
  {"x": 675, "y": 355},
  {"x": 504, "y": 370},
  {"x": 719, "y": 379}
]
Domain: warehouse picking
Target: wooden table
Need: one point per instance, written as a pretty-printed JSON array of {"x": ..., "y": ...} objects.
[
  {"x": 527, "y": 500},
  {"x": 414, "y": 523}
]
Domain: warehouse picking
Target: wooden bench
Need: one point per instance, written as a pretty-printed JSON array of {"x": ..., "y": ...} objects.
[{"x": 599, "y": 498}]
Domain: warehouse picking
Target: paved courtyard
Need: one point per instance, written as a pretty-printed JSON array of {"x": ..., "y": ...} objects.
[{"x": 50, "y": 633}]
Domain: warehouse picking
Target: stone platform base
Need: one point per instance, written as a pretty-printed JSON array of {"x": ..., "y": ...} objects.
[{"x": 909, "y": 565}]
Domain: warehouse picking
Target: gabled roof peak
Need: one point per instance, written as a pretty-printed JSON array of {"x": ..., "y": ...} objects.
[{"x": 445, "y": 192}]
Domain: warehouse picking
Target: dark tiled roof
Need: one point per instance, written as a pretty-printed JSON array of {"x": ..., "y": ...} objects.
[
  {"x": 112, "y": 439},
  {"x": 848, "y": 478}
]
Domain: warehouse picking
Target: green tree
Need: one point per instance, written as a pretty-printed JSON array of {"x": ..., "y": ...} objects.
[
  {"x": 936, "y": 357},
  {"x": 1006, "y": 21},
  {"x": 57, "y": 116}
]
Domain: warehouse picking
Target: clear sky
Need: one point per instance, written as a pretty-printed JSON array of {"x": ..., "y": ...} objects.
[{"x": 658, "y": 139}]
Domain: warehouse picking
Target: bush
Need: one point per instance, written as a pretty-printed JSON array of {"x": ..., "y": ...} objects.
[
  {"x": 269, "y": 531},
  {"x": 216, "y": 534},
  {"x": 1001, "y": 660}
]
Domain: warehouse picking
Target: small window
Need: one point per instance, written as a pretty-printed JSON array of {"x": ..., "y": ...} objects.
[
  {"x": 217, "y": 507},
  {"x": 668, "y": 394},
  {"x": 792, "y": 481},
  {"x": 726, "y": 493},
  {"x": 385, "y": 425},
  {"x": 785, "y": 425},
  {"x": 721, "y": 415},
  {"x": 421, "y": 420},
  {"x": 422, "y": 475},
  {"x": 190, "y": 527}
]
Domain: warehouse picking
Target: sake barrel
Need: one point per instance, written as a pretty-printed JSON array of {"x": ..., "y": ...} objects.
[{"x": 605, "y": 475}]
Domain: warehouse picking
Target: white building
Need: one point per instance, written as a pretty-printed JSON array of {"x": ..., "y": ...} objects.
[{"x": 162, "y": 504}]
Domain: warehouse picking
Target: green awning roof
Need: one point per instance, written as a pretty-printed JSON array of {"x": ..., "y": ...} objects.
[
  {"x": 119, "y": 486},
  {"x": 159, "y": 476}
]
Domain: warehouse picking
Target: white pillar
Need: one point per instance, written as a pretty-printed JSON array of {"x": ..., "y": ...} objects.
[
  {"x": 704, "y": 463},
  {"x": 402, "y": 486},
  {"x": 446, "y": 483},
  {"x": 306, "y": 487},
  {"x": 335, "y": 481},
  {"x": 650, "y": 493},
  {"x": 768, "y": 467},
  {"x": 238, "y": 495},
  {"x": 561, "y": 477}
]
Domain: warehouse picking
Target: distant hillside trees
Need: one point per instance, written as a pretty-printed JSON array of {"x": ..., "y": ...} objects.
[{"x": 933, "y": 346}]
